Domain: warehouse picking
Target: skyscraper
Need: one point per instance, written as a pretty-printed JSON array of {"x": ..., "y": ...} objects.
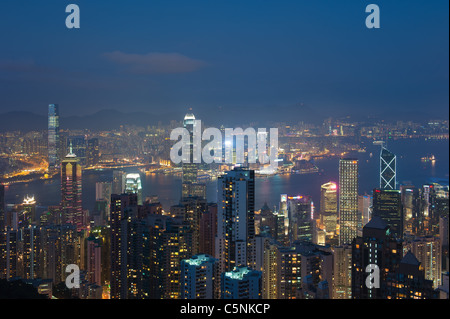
[
  {"x": 198, "y": 277},
  {"x": 133, "y": 185},
  {"x": 387, "y": 204},
  {"x": 71, "y": 190},
  {"x": 348, "y": 200},
  {"x": 388, "y": 169},
  {"x": 300, "y": 218},
  {"x": 119, "y": 206},
  {"x": 241, "y": 283},
  {"x": 92, "y": 152},
  {"x": 235, "y": 219},
  {"x": 329, "y": 208},
  {"x": 53, "y": 136},
  {"x": 190, "y": 170},
  {"x": 379, "y": 247}
]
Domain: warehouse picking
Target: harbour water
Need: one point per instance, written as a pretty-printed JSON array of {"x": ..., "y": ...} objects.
[{"x": 410, "y": 169}]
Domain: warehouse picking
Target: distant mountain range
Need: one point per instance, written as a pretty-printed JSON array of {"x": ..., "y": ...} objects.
[
  {"x": 101, "y": 120},
  {"x": 112, "y": 119}
]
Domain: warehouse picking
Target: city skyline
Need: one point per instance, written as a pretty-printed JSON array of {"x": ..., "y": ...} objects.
[{"x": 198, "y": 150}]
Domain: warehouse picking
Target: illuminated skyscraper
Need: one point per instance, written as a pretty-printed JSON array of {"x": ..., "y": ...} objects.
[
  {"x": 71, "y": 190},
  {"x": 133, "y": 185},
  {"x": 53, "y": 136},
  {"x": 236, "y": 219},
  {"x": 348, "y": 200},
  {"x": 118, "y": 184},
  {"x": 388, "y": 169},
  {"x": 190, "y": 170}
]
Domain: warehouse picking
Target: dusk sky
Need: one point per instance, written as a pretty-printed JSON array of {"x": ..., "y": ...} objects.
[{"x": 165, "y": 56}]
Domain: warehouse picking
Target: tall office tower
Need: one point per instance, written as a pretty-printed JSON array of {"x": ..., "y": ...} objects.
[
  {"x": 190, "y": 170},
  {"x": 427, "y": 250},
  {"x": 388, "y": 170},
  {"x": 71, "y": 190},
  {"x": 208, "y": 230},
  {"x": 241, "y": 283},
  {"x": 30, "y": 252},
  {"x": 2, "y": 208},
  {"x": 408, "y": 281},
  {"x": 342, "y": 269},
  {"x": 78, "y": 146},
  {"x": 118, "y": 183},
  {"x": 300, "y": 218},
  {"x": 53, "y": 137},
  {"x": 411, "y": 207},
  {"x": 198, "y": 277},
  {"x": 133, "y": 185},
  {"x": 283, "y": 216},
  {"x": 194, "y": 208},
  {"x": 329, "y": 209},
  {"x": 365, "y": 208},
  {"x": 377, "y": 247},
  {"x": 235, "y": 219},
  {"x": 94, "y": 260},
  {"x": 387, "y": 204},
  {"x": 92, "y": 152},
  {"x": 119, "y": 206},
  {"x": 348, "y": 200},
  {"x": 9, "y": 254},
  {"x": 103, "y": 191},
  {"x": 270, "y": 288},
  {"x": 443, "y": 236}
]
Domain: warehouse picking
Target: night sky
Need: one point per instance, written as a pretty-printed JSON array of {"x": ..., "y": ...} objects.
[{"x": 169, "y": 55}]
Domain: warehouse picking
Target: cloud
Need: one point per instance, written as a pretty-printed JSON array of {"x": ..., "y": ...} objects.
[
  {"x": 155, "y": 63},
  {"x": 23, "y": 66}
]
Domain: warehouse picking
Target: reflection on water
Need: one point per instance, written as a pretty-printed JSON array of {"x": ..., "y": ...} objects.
[{"x": 268, "y": 189}]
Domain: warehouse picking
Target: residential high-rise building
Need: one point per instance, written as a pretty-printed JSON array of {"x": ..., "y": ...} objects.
[
  {"x": 241, "y": 283},
  {"x": 428, "y": 252},
  {"x": 378, "y": 247},
  {"x": 94, "y": 260},
  {"x": 387, "y": 204},
  {"x": 348, "y": 200},
  {"x": 53, "y": 137},
  {"x": 388, "y": 170},
  {"x": 208, "y": 230},
  {"x": 408, "y": 281},
  {"x": 342, "y": 270},
  {"x": 133, "y": 185},
  {"x": 198, "y": 277},
  {"x": 71, "y": 190},
  {"x": 235, "y": 219}
]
